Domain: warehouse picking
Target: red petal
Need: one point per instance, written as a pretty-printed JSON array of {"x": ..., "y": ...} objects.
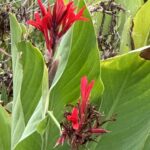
[
  {"x": 50, "y": 18},
  {"x": 85, "y": 92},
  {"x": 42, "y": 7},
  {"x": 74, "y": 118},
  {"x": 37, "y": 16},
  {"x": 75, "y": 126},
  {"x": 88, "y": 90},
  {"x": 35, "y": 24},
  {"x": 84, "y": 83},
  {"x": 99, "y": 130},
  {"x": 61, "y": 140},
  {"x": 58, "y": 12}
]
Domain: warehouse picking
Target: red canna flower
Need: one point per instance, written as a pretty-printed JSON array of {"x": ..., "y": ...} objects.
[
  {"x": 84, "y": 121},
  {"x": 55, "y": 23}
]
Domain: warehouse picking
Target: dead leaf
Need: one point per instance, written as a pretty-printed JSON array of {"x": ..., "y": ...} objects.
[{"x": 145, "y": 54}]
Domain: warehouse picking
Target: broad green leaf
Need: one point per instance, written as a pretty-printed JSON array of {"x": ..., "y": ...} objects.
[
  {"x": 37, "y": 122},
  {"x": 41, "y": 127},
  {"x": 131, "y": 7},
  {"x": 29, "y": 136},
  {"x": 141, "y": 27},
  {"x": 16, "y": 34},
  {"x": 33, "y": 98},
  {"x": 147, "y": 143},
  {"x": 83, "y": 60},
  {"x": 33, "y": 141},
  {"x": 17, "y": 113},
  {"x": 125, "y": 22},
  {"x": 33, "y": 68},
  {"x": 5, "y": 130},
  {"x": 127, "y": 91},
  {"x": 30, "y": 75}
]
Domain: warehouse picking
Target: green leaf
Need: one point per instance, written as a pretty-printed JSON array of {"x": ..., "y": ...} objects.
[
  {"x": 17, "y": 114},
  {"x": 33, "y": 68},
  {"x": 127, "y": 90},
  {"x": 83, "y": 60},
  {"x": 34, "y": 98},
  {"x": 147, "y": 143},
  {"x": 30, "y": 91},
  {"x": 5, "y": 130},
  {"x": 16, "y": 34},
  {"x": 41, "y": 127},
  {"x": 141, "y": 27},
  {"x": 131, "y": 7},
  {"x": 33, "y": 141},
  {"x": 125, "y": 22}
]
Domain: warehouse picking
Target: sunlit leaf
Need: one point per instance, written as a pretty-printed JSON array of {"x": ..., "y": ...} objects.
[
  {"x": 141, "y": 27},
  {"x": 83, "y": 60},
  {"x": 127, "y": 90}
]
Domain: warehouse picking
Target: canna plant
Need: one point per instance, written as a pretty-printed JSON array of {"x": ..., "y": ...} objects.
[{"x": 52, "y": 109}]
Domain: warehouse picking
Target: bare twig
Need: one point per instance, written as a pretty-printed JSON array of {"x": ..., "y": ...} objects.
[
  {"x": 4, "y": 52},
  {"x": 108, "y": 42}
]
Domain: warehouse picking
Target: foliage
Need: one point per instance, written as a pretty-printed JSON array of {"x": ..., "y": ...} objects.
[{"x": 121, "y": 87}]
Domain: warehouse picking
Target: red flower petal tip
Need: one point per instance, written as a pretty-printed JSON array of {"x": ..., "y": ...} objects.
[
  {"x": 85, "y": 93},
  {"x": 61, "y": 140},
  {"x": 74, "y": 118}
]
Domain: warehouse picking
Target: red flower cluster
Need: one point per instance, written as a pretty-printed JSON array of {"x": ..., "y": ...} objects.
[
  {"x": 85, "y": 120},
  {"x": 54, "y": 23},
  {"x": 78, "y": 119},
  {"x": 83, "y": 103}
]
